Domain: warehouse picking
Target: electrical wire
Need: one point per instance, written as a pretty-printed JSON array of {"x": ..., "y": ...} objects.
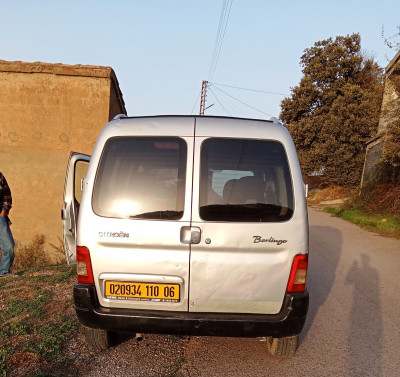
[
  {"x": 218, "y": 38},
  {"x": 251, "y": 107},
  {"x": 251, "y": 90},
  {"x": 234, "y": 106},
  {"x": 220, "y": 102},
  {"x": 223, "y": 22},
  {"x": 223, "y": 36},
  {"x": 197, "y": 100}
]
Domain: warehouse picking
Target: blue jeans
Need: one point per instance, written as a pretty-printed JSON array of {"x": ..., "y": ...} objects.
[{"x": 6, "y": 246}]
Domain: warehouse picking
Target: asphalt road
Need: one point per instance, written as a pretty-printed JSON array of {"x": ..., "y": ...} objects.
[{"x": 352, "y": 328}]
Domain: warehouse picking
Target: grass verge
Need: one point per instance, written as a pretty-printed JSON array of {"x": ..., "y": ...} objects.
[
  {"x": 38, "y": 323},
  {"x": 387, "y": 225}
]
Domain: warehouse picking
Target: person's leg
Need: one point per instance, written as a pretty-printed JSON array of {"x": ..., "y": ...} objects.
[{"x": 6, "y": 246}]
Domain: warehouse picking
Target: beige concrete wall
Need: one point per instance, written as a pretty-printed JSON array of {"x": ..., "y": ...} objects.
[
  {"x": 116, "y": 107},
  {"x": 45, "y": 115}
]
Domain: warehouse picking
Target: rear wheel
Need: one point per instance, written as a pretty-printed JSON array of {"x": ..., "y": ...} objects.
[
  {"x": 282, "y": 347},
  {"x": 97, "y": 338}
]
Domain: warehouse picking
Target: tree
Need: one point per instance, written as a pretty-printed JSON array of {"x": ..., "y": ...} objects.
[
  {"x": 334, "y": 111},
  {"x": 392, "y": 41}
]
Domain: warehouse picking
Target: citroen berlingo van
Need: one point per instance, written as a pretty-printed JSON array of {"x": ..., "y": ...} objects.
[{"x": 189, "y": 225}]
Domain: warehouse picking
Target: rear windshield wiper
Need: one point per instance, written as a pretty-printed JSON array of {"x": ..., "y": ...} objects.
[{"x": 164, "y": 215}]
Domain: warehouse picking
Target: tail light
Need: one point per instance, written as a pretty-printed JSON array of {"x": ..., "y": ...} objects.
[
  {"x": 83, "y": 265},
  {"x": 298, "y": 274}
]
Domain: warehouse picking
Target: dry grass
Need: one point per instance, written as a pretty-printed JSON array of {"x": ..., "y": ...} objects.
[
  {"x": 381, "y": 200},
  {"x": 34, "y": 255},
  {"x": 329, "y": 193},
  {"x": 386, "y": 198},
  {"x": 31, "y": 255}
]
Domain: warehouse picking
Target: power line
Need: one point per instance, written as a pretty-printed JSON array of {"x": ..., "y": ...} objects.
[
  {"x": 223, "y": 36},
  {"x": 252, "y": 90},
  {"x": 220, "y": 103},
  {"x": 196, "y": 102},
  {"x": 242, "y": 102},
  {"x": 218, "y": 37},
  {"x": 223, "y": 22},
  {"x": 231, "y": 103}
]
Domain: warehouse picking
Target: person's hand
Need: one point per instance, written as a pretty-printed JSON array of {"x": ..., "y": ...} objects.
[{"x": 3, "y": 213}]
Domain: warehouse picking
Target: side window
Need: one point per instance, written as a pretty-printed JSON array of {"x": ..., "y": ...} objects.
[
  {"x": 141, "y": 177},
  {"x": 81, "y": 168},
  {"x": 245, "y": 181}
]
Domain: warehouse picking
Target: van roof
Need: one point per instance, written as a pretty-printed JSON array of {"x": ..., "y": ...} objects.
[
  {"x": 123, "y": 116},
  {"x": 188, "y": 125}
]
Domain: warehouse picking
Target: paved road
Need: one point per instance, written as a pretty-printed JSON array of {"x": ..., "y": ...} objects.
[{"x": 353, "y": 326}]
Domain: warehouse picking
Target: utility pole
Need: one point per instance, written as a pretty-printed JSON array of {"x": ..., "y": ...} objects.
[{"x": 203, "y": 97}]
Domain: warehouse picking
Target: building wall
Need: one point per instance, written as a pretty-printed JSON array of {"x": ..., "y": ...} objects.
[
  {"x": 374, "y": 150},
  {"x": 47, "y": 111},
  {"x": 389, "y": 95},
  {"x": 373, "y": 155},
  {"x": 116, "y": 101}
]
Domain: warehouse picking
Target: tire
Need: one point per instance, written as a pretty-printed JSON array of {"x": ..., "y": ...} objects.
[
  {"x": 97, "y": 339},
  {"x": 282, "y": 347}
]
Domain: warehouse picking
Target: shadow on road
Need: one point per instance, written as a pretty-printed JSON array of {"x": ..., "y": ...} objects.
[
  {"x": 365, "y": 332},
  {"x": 325, "y": 250},
  {"x": 364, "y": 342}
]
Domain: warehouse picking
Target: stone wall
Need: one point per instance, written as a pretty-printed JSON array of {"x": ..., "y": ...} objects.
[
  {"x": 47, "y": 110},
  {"x": 372, "y": 169}
]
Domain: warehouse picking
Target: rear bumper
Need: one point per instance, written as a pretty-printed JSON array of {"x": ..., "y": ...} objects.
[{"x": 288, "y": 322}]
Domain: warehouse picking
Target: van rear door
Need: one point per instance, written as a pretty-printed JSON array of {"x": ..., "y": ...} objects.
[
  {"x": 139, "y": 214},
  {"x": 76, "y": 171},
  {"x": 243, "y": 203}
]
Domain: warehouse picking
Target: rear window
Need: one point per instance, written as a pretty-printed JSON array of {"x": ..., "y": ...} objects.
[
  {"x": 141, "y": 177},
  {"x": 245, "y": 181}
]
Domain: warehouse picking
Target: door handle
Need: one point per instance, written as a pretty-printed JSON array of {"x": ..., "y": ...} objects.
[{"x": 190, "y": 235}]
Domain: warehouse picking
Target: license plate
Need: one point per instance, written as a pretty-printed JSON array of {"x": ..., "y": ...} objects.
[{"x": 121, "y": 290}]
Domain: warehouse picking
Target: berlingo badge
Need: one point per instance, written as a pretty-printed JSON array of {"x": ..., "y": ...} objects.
[{"x": 258, "y": 239}]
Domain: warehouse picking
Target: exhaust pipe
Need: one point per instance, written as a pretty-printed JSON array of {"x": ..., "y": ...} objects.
[{"x": 139, "y": 336}]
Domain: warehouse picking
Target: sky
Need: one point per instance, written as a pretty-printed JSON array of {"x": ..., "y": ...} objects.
[{"x": 162, "y": 50}]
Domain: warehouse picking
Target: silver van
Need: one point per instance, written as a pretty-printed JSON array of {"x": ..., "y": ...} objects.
[{"x": 190, "y": 225}]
